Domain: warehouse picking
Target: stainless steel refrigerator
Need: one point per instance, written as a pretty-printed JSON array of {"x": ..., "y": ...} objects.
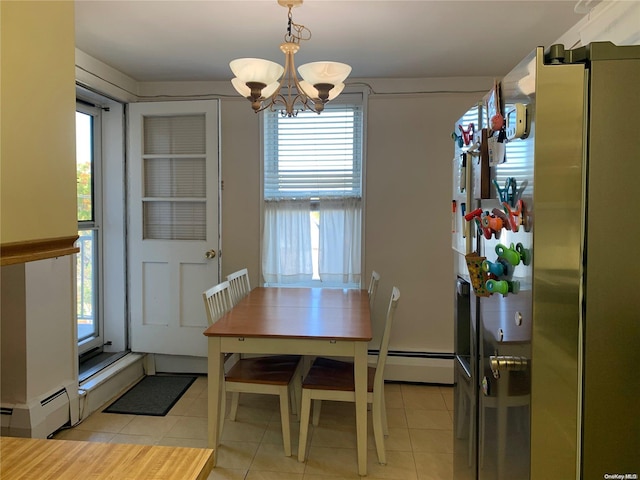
[{"x": 547, "y": 304}]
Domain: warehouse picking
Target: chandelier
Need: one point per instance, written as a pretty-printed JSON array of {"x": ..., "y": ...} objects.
[{"x": 267, "y": 84}]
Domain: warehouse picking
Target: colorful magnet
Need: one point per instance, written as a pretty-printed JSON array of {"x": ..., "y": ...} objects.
[
  {"x": 510, "y": 254},
  {"x": 497, "y": 122},
  {"x": 467, "y": 135},
  {"x": 502, "y": 286}
]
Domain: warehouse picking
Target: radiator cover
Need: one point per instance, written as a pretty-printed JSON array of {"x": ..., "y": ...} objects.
[{"x": 42, "y": 416}]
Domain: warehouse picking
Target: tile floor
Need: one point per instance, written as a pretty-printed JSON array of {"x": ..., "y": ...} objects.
[{"x": 419, "y": 446}]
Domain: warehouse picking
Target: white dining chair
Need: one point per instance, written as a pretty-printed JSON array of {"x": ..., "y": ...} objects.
[
  {"x": 373, "y": 288},
  {"x": 270, "y": 375},
  {"x": 330, "y": 379},
  {"x": 239, "y": 284},
  {"x": 217, "y": 301}
]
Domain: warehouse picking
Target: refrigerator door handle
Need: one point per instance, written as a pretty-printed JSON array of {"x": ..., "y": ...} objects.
[
  {"x": 463, "y": 288},
  {"x": 507, "y": 363}
]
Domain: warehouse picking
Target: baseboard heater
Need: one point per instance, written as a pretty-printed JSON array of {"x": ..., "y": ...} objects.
[
  {"x": 39, "y": 418},
  {"x": 419, "y": 367}
]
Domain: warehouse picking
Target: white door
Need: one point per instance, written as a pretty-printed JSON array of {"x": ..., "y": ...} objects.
[{"x": 173, "y": 223}]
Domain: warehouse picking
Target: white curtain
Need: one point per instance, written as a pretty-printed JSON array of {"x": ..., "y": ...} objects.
[
  {"x": 339, "y": 249},
  {"x": 286, "y": 254}
]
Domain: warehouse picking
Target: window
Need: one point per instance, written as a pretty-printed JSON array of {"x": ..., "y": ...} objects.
[
  {"x": 89, "y": 195},
  {"x": 174, "y": 170},
  {"x": 516, "y": 165},
  {"x": 313, "y": 196}
]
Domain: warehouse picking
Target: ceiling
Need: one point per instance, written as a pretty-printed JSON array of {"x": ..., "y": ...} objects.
[{"x": 184, "y": 40}]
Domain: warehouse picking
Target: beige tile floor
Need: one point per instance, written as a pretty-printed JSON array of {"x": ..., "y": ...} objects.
[{"x": 419, "y": 445}]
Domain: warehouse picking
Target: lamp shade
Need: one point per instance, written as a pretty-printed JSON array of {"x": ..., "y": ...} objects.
[
  {"x": 242, "y": 89},
  {"x": 312, "y": 92},
  {"x": 256, "y": 70},
  {"x": 324, "y": 72},
  {"x": 269, "y": 89}
]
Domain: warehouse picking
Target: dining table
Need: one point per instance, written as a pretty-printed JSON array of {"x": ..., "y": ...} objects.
[{"x": 293, "y": 320}]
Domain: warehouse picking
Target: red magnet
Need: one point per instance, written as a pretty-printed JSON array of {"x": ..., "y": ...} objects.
[
  {"x": 467, "y": 134},
  {"x": 471, "y": 215},
  {"x": 515, "y": 217}
]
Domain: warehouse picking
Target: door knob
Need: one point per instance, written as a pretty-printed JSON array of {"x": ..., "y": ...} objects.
[{"x": 210, "y": 254}]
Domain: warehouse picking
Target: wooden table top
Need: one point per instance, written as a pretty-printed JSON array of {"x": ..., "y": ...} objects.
[
  {"x": 314, "y": 313},
  {"x": 33, "y": 458}
]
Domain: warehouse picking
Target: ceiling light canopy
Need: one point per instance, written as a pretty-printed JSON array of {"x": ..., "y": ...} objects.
[{"x": 268, "y": 85}]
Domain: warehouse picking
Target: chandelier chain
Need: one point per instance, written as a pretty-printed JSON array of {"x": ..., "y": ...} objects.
[{"x": 296, "y": 32}]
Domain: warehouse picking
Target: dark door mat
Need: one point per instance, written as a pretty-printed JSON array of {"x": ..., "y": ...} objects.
[{"x": 153, "y": 395}]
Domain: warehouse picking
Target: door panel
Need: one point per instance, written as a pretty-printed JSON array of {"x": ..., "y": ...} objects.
[{"x": 173, "y": 223}]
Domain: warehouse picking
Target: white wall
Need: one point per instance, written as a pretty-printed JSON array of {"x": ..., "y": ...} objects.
[
  {"x": 240, "y": 173},
  {"x": 408, "y": 214},
  {"x": 616, "y": 21},
  {"x": 39, "y": 344},
  {"x": 113, "y": 229}
]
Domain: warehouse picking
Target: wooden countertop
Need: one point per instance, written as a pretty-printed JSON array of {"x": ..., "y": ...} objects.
[{"x": 34, "y": 458}]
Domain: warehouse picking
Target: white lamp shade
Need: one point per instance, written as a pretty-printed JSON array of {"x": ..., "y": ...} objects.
[
  {"x": 256, "y": 70},
  {"x": 245, "y": 91},
  {"x": 269, "y": 89},
  {"x": 241, "y": 87},
  {"x": 324, "y": 72},
  {"x": 312, "y": 92}
]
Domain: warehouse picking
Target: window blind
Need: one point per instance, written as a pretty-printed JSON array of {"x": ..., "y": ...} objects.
[
  {"x": 518, "y": 164},
  {"x": 174, "y": 134},
  {"x": 174, "y": 176},
  {"x": 314, "y": 156}
]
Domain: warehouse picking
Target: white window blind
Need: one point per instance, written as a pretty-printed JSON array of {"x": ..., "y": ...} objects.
[
  {"x": 314, "y": 156},
  {"x": 174, "y": 202},
  {"x": 174, "y": 134},
  {"x": 518, "y": 164}
]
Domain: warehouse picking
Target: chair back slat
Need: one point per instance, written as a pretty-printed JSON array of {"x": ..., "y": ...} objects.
[
  {"x": 239, "y": 284},
  {"x": 217, "y": 301}
]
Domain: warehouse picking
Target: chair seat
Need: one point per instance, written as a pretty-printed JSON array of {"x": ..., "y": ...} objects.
[
  {"x": 271, "y": 370},
  {"x": 329, "y": 374}
]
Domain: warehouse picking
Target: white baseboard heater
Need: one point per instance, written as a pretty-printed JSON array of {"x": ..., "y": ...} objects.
[
  {"x": 42, "y": 416},
  {"x": 418, "y": 367}
]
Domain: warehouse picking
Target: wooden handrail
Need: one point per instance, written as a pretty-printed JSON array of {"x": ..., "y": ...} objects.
[{"x": 31, "y": 250}]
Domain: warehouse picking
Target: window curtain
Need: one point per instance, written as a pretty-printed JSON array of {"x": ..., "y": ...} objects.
[
  {"x": 286, "y": 255},
  {"x": 339, "y": 249}
]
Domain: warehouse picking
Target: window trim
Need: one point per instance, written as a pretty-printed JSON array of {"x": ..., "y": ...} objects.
[{"x": 352, "y": 95}]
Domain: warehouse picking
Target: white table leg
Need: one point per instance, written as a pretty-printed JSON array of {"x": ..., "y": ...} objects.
[
  {"x": 360, "y": 374},
  {"x": 214, "y": 381}
]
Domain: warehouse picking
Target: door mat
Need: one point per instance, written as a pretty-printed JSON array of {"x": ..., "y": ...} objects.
[{"x": 153, "y": 395}]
